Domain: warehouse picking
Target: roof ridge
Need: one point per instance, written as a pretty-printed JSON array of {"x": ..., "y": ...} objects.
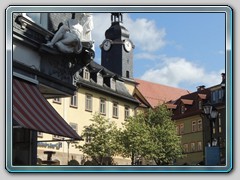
[{"x": 161, "y": 84}]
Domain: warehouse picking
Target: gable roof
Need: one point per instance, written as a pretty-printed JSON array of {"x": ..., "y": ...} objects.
[
  {"x": 156, "y": 94},
  {"x": 191, "y": 100}
]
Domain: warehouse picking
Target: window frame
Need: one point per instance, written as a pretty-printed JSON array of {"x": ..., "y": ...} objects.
[
  {"x": 193, "y": 146},
  {"x": 100, "y": 79},
  {"x": 199, "y": 125},
  {"x": 178, "y": 129},
  {"x": 88, "y": 102},
  {"x": 86, "y": 74},
  {"x": 219, "y": 123},
  {"x": 74, "y": 100},
  {"x": 72, "y": 124},
  {"x": 88, "y": 138},
  {"x": 194, "y": 126},
  {"x": 181, "y": 128},
  {"x": 200, "y": 105},
  {"x": 182, "y": 109},
  {"x": 126, "y": 112},
  {"x": 102, "y": 106},
  {"x": 113, "y": 83},
  {"x": 115, "y": 110},
  {"x": 199, "y": 144},
  {"x": 185, "y": 148}
]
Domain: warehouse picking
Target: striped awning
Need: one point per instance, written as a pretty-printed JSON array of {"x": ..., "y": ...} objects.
[{"x": 31, "y": 110}]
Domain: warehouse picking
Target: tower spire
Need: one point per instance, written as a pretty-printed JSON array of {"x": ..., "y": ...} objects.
[{"x": 116, "y": 17}]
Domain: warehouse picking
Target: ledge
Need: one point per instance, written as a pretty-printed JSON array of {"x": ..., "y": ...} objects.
[{"x": 27, "y": 23}]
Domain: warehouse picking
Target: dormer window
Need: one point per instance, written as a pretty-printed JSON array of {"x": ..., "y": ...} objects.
[
  {"x": 86, "y": 74},
  {"x": 113, "y": 84},
  {"x": 99, "y": 79}
]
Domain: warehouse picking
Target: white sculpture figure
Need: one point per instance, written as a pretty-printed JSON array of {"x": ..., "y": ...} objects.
[
  {"x": 69, "y": 36},
  {"x": 87, "y": 23}
]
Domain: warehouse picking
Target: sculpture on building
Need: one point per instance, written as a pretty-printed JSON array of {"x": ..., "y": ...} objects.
[{"x": 71, "y": 34}]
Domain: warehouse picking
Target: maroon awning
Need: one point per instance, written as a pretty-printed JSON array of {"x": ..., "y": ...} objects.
[{"x": 31, "y": 110}]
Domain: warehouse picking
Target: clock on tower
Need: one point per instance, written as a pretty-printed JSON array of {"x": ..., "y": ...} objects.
[{"x": 117, "y": 48}]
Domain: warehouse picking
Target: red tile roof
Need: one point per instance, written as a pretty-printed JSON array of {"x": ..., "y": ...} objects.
[{"x": 157, "y": 94}]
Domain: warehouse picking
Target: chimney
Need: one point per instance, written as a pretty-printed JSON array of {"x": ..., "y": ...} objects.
[
  {"x": 200, "y": 88},
  {"x": 223, "y": 76},
  {"x": 223, "y": 83}
]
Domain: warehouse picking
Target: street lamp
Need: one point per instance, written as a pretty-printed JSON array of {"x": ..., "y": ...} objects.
[{"x": 211, "y": 114}]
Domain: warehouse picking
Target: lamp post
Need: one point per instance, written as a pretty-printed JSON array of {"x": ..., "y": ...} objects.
[{"x": 211, "y": 115}]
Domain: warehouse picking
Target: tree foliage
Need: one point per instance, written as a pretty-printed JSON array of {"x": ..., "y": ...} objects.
[
  {"x": 101, "y": 145},
  {"x": 152, "y": 135}
]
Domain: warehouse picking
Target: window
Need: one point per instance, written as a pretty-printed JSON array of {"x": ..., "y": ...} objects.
[
  {"x": 113, "y": 84},
  {"x": 99, "y": 79},
  {"x": 88, "y": 102},
  {"x": 199, "y": 104},
  {"x": 217, "y": 96},
  {"x": 199, "y": 125},
  {"x": 74, "y": 126},
  {"x": 185, "y": 148},
  {"x": 177, "y": 130},
  {"x": 194, "y": 126},
  {"x": 103, "y": 106},
  {"x": 199, "y": 146},
  {"x": 193, "y": 147},
  {"x": 219, "y": 123},
  {"x": 181, "y": 128},
  {"x": 88, "y": 135},
  {"x": 86, "y": 74},
  {"x": 57, "y": 100},
  {"x": 182, "y": 109},
  {"x": 73, "y": 100},
  {"x": 115, "y": 110},
  {"x": 126, "y": 112}
]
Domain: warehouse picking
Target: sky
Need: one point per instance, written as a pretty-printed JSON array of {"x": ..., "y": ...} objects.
[{"x": 183, "y": 50}]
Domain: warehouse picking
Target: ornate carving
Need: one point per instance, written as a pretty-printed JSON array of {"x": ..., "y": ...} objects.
[{"x": 69, "y": 37}]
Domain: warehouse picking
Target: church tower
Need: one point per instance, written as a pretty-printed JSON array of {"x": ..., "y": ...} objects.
[{"x": 117, "y": 48}]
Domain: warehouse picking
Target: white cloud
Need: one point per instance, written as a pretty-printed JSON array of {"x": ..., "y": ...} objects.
[
  {"x": 148, "y": 56},
  {"x": 143, "y": 32},
  {"x": 178, "y": 72},
  {"x": 101, "y": 21}
]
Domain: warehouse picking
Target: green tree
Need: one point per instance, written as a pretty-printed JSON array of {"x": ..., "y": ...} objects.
[
  {"x": 152, "y": 135},
  {"x": 101, "y": 136}
]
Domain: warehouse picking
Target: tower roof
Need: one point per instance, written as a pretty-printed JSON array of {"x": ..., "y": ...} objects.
[{"x": 116, "y": 30}]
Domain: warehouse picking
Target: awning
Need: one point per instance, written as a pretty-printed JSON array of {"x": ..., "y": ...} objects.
[{"x": 31, "y": 110}]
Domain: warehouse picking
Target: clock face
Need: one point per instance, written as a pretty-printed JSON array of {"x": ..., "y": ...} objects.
[
  {"x": 106, "y": 45},
  {"x": 127, "y": 45}
]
